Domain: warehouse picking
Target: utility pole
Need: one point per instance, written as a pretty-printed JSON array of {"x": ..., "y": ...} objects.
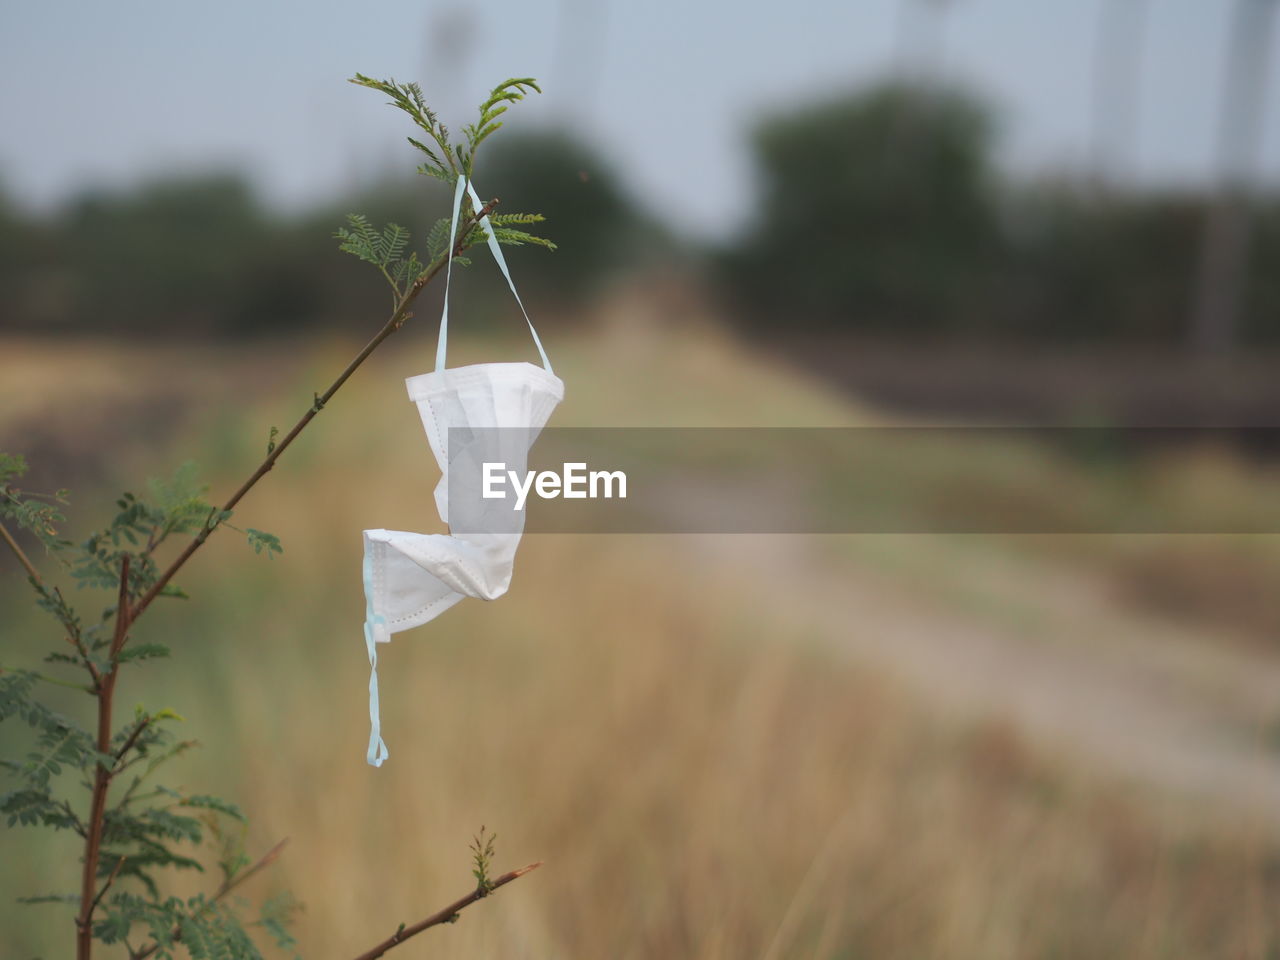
[
  {"x": 1117, "y": 76},
  {"x": 451, "y": 38},
  {"x": 1225, "y": 246},
  {"x": 921, "y": 41},
  {"x": 580, "y": 48}
]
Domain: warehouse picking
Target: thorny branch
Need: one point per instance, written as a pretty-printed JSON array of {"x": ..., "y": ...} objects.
[
  {"x": 448, "y": 915},
  {"x": 104, "y": 682},
  {"x": 228, "y": 885},
  {"x": 111, "y": 878},
  {"x": 73, "y": 637},
  {"x": 394, "y": 323},
  {"x": 22, "y": 557}
]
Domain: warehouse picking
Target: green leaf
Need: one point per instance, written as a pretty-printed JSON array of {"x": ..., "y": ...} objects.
[
  {"x": 390, "y": 245},
  {"x": 15, "y": 692},
  {"x": 143, "y": 651},
  {"x": 216, "y": 804},
  {"x": 435, "y": 160},
  {"x": 359, "y": 241},
  {"x": 71, "y": 898},
  {"x": 440, "y": 173},
  {"x": 172, "y": 826},
  {"x": 260, "y": 541},
  {"x": 518, "y": 238},
  {"x": 12, "y": 466},
  {"x": 36, "y": 807},
  {"x": 277, "y": 913},
  {"x": 438, "y": 239},
  {"x": 506, "y": 219}
]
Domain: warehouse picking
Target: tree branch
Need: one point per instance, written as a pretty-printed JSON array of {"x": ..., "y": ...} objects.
[
  {"x": 76, "y": 825},
  {"x": 394, "y": 323},
  {"x": 72, "y": 636},
  {"x": 124, "y": 618},
  {"x": 110, "y": 880},
  {"x": 132, "y": 739},
  {"x": 32, "y": 572},
  {"x": 44, "y": 678},
  {"x": 127, "y": 615},
  {"x": 102, "y": 775},
  {"x": 447, "y": 915},
  {"x": 266, "y": 860}
]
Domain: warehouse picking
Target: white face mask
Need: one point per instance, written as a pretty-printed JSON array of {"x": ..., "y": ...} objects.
[{"x": 411, "y": 578}]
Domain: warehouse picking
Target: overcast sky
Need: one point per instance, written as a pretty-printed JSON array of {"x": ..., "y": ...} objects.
[{"x": 109, "y": 93}]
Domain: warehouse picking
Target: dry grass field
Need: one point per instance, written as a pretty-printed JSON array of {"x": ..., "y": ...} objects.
[{"x": 723, "y": 747}]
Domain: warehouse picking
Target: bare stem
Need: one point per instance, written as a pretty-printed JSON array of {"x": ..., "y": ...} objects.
[
  {"x": 394, "y": 323},
  {"x": 32, "y": 572},
  {"x": 447, "y": 915},
  {"x": 268, "y": 858},
  {"x": 133, "y": 738},
  {"x": 110, "y": 880}
]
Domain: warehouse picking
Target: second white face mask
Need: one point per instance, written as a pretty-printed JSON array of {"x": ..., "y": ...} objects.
[{"x": 490, "y": 411}]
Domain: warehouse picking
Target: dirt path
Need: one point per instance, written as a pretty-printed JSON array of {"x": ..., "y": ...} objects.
[
  {"x": 982, "y": 633},
  {"x": 978, "y": 628}
]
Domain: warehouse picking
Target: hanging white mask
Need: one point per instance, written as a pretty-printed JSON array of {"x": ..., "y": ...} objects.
[{"x": 411, "y": 578}]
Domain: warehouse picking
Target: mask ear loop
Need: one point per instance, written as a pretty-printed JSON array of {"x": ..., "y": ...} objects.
[
  {"x": 496, "y": 249},
  {"x": 377, "y": 751},
  {"x": 375, "y": 628},
  {"x": 443, "y": 341}
]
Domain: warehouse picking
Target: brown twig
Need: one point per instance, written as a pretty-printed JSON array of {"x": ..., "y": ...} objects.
[
  {"x": 72, "y": 636},
  {"x": 394, "y": 323},
  {"x": 133, "y": 738},
  {"x": 266, "y": 860},
  {"x": 110, "y": 880},
  {"x": 124, "y": 616},
  {"x": 446, "y": 915},
  {"x": 102, "y": 774},
  {"x": 76, "y": 640},
  {"x": 32, "y": 572}
]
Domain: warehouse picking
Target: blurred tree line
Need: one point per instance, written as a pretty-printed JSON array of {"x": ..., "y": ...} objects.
[
  {"x": 884, "y": 211},
  {"x": 201, "y": 256},
  {"x": 879, "y": 211}
]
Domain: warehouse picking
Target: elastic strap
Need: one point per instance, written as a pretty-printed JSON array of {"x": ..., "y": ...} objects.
[
  {"x": 496, "y": 249},
  {"x": 458, "y": 191},
  {"x": 377, "y": 751},
  {"x": 374, "y": 624}
]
